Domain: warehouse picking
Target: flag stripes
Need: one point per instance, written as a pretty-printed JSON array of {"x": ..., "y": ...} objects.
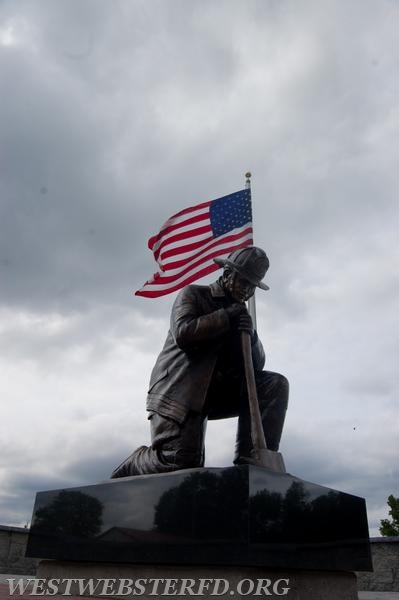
[{"x": 188, "y": 242}]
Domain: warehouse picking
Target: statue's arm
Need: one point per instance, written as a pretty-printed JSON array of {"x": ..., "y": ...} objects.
[{"x": 189, "y": 327}]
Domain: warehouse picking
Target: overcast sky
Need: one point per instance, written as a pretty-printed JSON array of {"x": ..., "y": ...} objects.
[{"x": 116, "y": 114}]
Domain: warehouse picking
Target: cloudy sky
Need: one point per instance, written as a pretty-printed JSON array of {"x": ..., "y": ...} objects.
[{"x": 114, "y": 115}]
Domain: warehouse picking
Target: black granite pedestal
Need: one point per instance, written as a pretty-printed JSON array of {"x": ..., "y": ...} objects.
[{"x": 244, "y": 516}]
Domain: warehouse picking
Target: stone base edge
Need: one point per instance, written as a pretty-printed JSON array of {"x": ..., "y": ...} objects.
[{"x": 175, "y": 580}]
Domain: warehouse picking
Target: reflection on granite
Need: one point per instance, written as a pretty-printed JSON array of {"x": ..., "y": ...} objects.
[{"x": 243, "y": 515}]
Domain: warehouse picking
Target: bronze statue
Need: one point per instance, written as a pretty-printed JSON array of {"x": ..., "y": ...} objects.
[{"x": 199, "y": 373}]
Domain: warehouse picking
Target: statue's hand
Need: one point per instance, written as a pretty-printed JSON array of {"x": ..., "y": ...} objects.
[
  {"x": 235, "y": 310},
  {"x": 240, "y": 318},
  {"x": 245, "y": 323}
]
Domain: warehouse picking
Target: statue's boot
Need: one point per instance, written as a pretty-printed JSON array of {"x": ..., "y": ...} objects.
[
  {"x": 143, "y": 461},
  {"x": 129, "y": 466},
  {"x": 173, "y": 447}
]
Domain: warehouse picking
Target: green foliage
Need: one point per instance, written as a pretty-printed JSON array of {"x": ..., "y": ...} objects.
[{"x": 390, "y": 527}]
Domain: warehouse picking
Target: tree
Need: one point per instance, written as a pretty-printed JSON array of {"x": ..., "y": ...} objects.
[
  {"x": 390, "y": 527},
  {"x": 71, "y": 513}
]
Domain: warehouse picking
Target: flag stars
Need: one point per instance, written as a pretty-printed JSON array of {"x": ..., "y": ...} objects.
[{"x": 230, "y": 212}]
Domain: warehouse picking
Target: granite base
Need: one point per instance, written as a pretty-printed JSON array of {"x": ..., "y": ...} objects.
[{"x": 244, "y": 516}]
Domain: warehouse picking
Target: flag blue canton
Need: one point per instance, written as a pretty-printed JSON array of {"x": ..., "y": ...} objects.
[{"x": 230, "y": 212}]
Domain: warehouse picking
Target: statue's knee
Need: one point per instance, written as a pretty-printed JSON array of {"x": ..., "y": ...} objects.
[
  {"x": 283, "y": 391},
  {"x": 283, "y": 384},
  {"x": 269, "y": 379},
  {"x": 273, "y": 386}
]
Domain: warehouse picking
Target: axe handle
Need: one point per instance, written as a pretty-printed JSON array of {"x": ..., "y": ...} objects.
[{"x": 257, "y": 433}]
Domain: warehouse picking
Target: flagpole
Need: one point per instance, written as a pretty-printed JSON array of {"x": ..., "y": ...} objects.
[
  {"x": 251, "y": 301},
  {"x": 260, "y": 455}
]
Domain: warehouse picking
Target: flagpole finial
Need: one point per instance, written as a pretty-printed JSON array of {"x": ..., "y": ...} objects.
[{"x": 248, "y": 179}]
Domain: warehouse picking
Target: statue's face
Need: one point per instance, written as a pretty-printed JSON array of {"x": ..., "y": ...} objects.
[{"x": 238, "y": 288}]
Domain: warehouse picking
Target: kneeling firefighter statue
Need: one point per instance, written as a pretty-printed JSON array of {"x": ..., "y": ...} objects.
[{"x": 211, "y": 367}]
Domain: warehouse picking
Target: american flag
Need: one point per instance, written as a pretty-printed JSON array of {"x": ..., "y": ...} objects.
[{"x": 189, "y": 241}]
